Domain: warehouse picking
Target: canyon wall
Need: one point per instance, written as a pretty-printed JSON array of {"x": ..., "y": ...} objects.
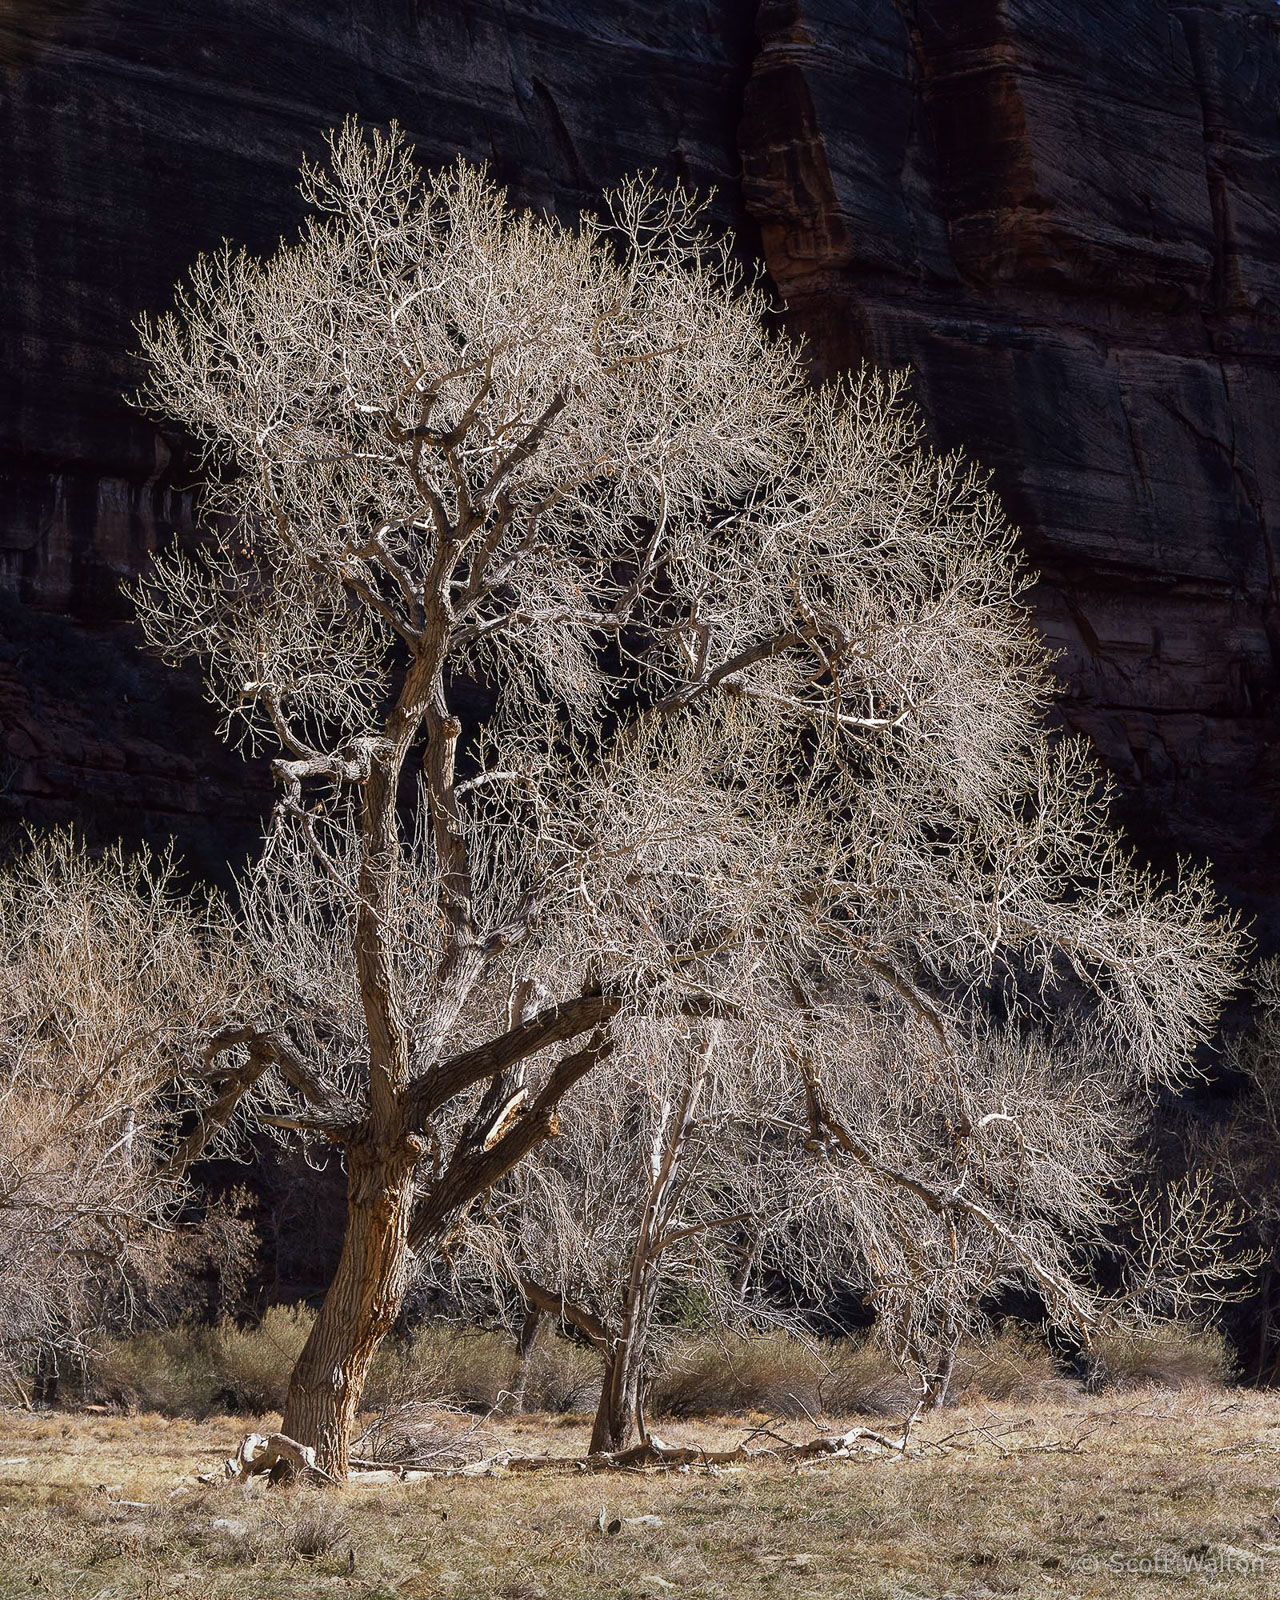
[{"x": 1064, "y": 215}]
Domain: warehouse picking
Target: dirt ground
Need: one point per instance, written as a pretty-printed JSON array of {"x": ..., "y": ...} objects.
[{"x": 1148, "y": 1493}]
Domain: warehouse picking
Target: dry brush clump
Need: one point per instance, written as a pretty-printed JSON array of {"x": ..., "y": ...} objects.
[
  {"x": 436, "y": 1380},
  {"x": 483, "y": 1370},
  {"x": 196, "y": 1370},
  {"x": 110, "y": 979},
  {"x": 232, "y": 1366},
  {"x": 1163, "y": 1356}
]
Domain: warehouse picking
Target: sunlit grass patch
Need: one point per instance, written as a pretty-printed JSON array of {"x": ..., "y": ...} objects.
[{"x": 1040, "y": 1501}]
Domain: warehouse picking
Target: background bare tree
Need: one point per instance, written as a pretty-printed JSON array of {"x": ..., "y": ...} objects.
[
  {"x": 1239, "y": 1142},
  {"x": 597, "y": 653},
  {"x": 950, "y": 1162},
  {"x": 933, "y": 1165},
  {"x": 643, "y": 1210},
  {"x": 110, "y": 980}
]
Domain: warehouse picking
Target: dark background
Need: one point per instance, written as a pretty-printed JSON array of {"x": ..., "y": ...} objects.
[{"x": 1062, "y": 213}]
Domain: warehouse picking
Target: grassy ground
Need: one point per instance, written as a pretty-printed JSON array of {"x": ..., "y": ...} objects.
[{"x": 1150, "y": 1493}]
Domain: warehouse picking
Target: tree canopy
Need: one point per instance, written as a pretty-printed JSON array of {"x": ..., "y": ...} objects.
[{"x": 610, "y": 670}]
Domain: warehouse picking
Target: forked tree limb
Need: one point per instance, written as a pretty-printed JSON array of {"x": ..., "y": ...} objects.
[
  {"x": 215, "y": 1117},
  {"x": 473, "y": 1172},
  {"x": 559, "y": 1305},
  {"x": 266, "y": 1048},
  {"x": 553, "y": 1025}
]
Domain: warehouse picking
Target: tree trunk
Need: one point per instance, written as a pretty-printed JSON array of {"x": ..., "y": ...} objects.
[
  {"x": 530, "y": 1331},
  {"x": 360, "y": 1308},
  {"x": 621, "y": 1410},
  {"x": 938, "y": 1391},
  {"x": 620, "y": 1414},
  {"x": 1264, "y": 1319}
]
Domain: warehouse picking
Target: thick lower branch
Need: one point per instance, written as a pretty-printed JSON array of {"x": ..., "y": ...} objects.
[
  {"x": 553, "y": 1025},
  {"x": 566, "y": 1310},
  {"x": 472, "y": 1172}
]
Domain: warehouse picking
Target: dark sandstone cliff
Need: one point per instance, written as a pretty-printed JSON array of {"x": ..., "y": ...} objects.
[
  {"x": 1065, "y": 215},
  {"x": 1062, "y": 213}
]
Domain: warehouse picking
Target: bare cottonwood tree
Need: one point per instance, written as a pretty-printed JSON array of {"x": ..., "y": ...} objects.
[
  {"x": 949, "y": 1161},
  {"x": 608, "y": 669},
  {"x": 647, "y": 1203},
  {"x": 110, "y": 980},
  {"x": 930, "y": 1163}
]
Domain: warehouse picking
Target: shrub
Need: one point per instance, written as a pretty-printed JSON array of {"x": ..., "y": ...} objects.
[
  {"x": 563, "y": 1376},
  {"x": 316, "y": 1529},
  {"x": 1014, "y": 1364},
  {"x": 1170, "y": 1356},
  {"x": 175, "y": 1372},
  {"x": 191, "y": 1371},
  {"x": 466, "y": 1367},
  {"x": 773, "y": 1372},
  {"x": 255, "y": 1362},
  {"x": 480, "y": 1371},
  {"x": 788, "y": 1377},
  {"x": 862, "y": 1381}
]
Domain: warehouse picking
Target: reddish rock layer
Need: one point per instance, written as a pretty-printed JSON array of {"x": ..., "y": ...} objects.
[
  {"x": 1065, "y": 216},
  {"x": 1061, "y": 213}
]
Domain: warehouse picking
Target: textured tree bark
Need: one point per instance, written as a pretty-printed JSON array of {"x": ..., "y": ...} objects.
[
  {"x": 530, "y": 1332},
  {"x": 363, "y": 1302},
  {"x": 620, "y": 1414},
  {"x": 939, "y": 1390}
]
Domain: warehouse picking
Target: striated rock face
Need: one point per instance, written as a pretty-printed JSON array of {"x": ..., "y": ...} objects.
[
  {"x": 136, "y": 135},
  {"x": 1063, "y": 214}
]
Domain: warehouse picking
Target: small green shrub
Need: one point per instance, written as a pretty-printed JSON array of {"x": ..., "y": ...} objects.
[
  {"x": 773, "y": 1372},
  {"x": 255, "y": 1362},
  {"x": 175, "y": 1372},
  {"x": 190, "y": 1371}
]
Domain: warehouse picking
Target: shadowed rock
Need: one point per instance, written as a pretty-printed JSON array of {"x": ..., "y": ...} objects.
[{"x": 1062, "y": 213}]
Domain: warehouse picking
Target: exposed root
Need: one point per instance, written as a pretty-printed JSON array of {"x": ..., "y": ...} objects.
[{"x": 281, "y": 1458}]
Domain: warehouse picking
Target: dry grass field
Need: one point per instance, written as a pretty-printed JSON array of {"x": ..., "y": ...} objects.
[{"x": 1152, "y": 1492}]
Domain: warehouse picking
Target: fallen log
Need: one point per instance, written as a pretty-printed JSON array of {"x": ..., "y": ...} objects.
[{"x": 655, "y": 1454}]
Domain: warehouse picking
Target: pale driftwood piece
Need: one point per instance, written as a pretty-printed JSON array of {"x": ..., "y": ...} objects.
[{"x": 276, "y": 1455}]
